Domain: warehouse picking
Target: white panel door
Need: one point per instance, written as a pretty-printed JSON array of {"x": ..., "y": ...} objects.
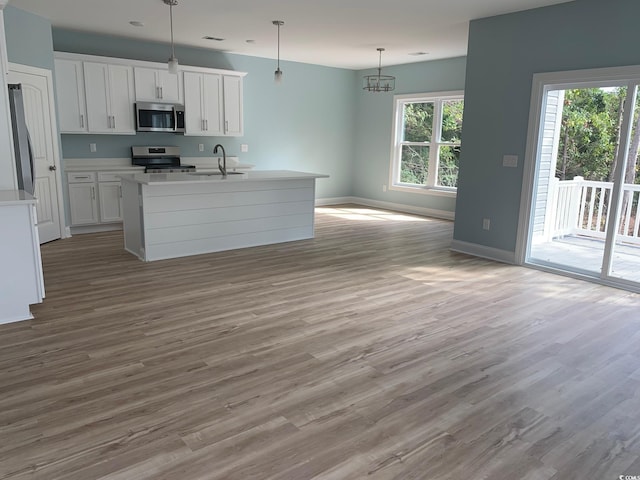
[{"x": 37, "y": 106}]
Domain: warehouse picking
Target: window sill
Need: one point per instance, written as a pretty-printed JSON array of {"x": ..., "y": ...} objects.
[{"x": 439, "y": 192}]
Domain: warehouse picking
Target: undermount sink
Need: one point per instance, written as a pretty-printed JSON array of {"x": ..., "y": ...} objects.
[{"x": 216, "y": 174}]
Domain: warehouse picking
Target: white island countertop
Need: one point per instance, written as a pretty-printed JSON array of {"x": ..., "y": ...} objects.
[
  {"x": 198, "y": 178},
  {"x": 16, "y": 197},
  {"x": 168, "y": 215}
]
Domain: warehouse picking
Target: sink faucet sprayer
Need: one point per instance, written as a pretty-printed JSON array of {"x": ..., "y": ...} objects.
[{"x": 223, "y": 167}]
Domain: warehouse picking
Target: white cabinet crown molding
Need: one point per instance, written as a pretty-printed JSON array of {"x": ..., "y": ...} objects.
[{"x": 141, "y": 63}]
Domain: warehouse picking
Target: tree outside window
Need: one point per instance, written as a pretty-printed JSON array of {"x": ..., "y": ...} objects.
[{"x": 427, "y": 141}]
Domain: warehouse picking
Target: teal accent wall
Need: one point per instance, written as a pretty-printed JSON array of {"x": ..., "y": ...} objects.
[
  {"x": 374, "y": 125},
  {"x": 29, "y": 40},
  {"x": 503, "y": 55},
  {"x": 306, "y": 123}
]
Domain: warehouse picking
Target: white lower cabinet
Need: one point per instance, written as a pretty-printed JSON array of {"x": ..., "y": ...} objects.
[
  {"x": 94, "y": 198},
  {"x": 110, "y": 196},
  {"x": 83, "y": 201}
]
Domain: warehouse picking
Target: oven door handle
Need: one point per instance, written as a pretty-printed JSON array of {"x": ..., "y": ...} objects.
[{"x": 175, "y": 119}]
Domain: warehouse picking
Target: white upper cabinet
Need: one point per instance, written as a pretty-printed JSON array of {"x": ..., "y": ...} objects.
[
  {"x": 203, "y": 104},
  {"x": 72, "y": 111},
  {"x": 213, "y": 104},
  {"x": 98, "y": 95},
  {"x": 109, "y": 96},
  {"x": 157, "y": 85},
  {"x": 233, "y": 123}
]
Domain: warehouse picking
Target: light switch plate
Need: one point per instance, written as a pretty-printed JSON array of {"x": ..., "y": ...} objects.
[
  {"x": 201, "y": 147},
  {"x": 510, "y": 161},
  {"x": 93, "y": 147},
  {"x": 244, "y": 148}
]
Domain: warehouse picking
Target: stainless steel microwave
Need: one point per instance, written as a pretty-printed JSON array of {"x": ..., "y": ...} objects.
[{"x": 159, "y": 117}]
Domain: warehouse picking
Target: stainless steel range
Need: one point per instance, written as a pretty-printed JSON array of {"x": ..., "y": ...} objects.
[{"x": 159, "y": 159}]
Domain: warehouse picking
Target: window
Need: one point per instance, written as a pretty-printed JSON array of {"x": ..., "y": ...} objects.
[{"x": 426, "y": 146}]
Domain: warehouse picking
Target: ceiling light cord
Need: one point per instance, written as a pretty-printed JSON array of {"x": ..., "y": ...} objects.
[
  {"x": 173, "y": 61},
  {"x": 173, "y": 50},
  {"x": 278, "y": 73}
]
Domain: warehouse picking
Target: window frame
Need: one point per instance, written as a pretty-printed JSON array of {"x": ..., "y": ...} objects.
[{"x": 399, "y": 101}]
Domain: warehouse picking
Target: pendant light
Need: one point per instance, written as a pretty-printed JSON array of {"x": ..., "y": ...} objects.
[
  {"x": 278, "y": 72},
  {"x": 173, "y": 61},
  {"x": 379, "y": 82}
]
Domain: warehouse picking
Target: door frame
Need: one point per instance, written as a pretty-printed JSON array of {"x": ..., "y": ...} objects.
[
  {"x": 542, "y": 83},
  {"x": 55, "y": 136}
]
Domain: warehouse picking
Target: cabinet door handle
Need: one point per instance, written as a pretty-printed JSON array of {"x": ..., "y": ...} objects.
[
  {"x": 226, "y": 126},
  {"x": 157, "y": 92},
  {"x": 161, "y": 93},
  {"x": 81, "y": 121},
  {"x": 206, "y": 125},
  {"x": 93, "y": 192},
  {"x": 120, "y": 190}
]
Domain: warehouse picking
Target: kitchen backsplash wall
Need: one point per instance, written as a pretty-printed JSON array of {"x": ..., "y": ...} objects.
[{"x": 307, "y": 123}]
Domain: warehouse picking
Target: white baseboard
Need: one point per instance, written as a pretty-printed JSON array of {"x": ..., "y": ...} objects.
[
  {"x": 107, "y": 227},
  {"x": 490, "y": 253},
  {"x": 321, "y": 202},
  {"x": 398, "y": 207}
]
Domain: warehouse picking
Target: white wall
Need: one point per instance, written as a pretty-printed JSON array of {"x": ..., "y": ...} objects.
[{"x": 7, "y": 163}]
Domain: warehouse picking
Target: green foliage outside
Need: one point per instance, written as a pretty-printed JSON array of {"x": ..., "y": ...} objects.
[
  {"x": 418, "y": 127},
  {"x": 589, "y": 134}
]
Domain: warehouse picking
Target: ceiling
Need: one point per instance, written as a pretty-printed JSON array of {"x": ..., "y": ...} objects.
[{"x": 337, "y": 33}]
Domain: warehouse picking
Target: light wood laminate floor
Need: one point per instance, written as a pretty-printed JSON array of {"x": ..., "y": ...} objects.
[{"x": 370, "y": 351}]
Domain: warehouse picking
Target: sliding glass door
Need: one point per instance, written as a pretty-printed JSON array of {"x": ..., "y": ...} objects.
[{"x": 583, "y": 212}]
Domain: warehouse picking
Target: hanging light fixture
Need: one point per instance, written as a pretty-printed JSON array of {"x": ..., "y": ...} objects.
[
  {"x": 379, "y": 82},
  {"x": 173, "y": 61},
  {"x": 278, "y": 72}
]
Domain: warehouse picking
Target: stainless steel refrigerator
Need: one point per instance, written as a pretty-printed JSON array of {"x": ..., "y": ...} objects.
[{"x": 21, "y": 140}]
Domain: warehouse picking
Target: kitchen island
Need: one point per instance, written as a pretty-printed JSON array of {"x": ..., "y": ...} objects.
[
  {"x": 21, "y": 280},
  {"x": 167, "y": 215}
]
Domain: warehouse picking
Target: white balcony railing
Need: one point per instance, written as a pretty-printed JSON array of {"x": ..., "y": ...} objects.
[{"x": 580, "y": 207}]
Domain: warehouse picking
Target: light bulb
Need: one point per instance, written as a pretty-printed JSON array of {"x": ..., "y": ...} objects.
[
  {"x": 278, "y": 76},
  {"x": 173, "y": 65}
]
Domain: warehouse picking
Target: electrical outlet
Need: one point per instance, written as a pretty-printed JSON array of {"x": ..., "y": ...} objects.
[
  {"x": 201, "y": 147},
  {"x": 244, "y": 148},
  {"x": 384, "y": 188},
  {"x": 486, "y": 224},
  {"x": 93, "y": 147}
]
